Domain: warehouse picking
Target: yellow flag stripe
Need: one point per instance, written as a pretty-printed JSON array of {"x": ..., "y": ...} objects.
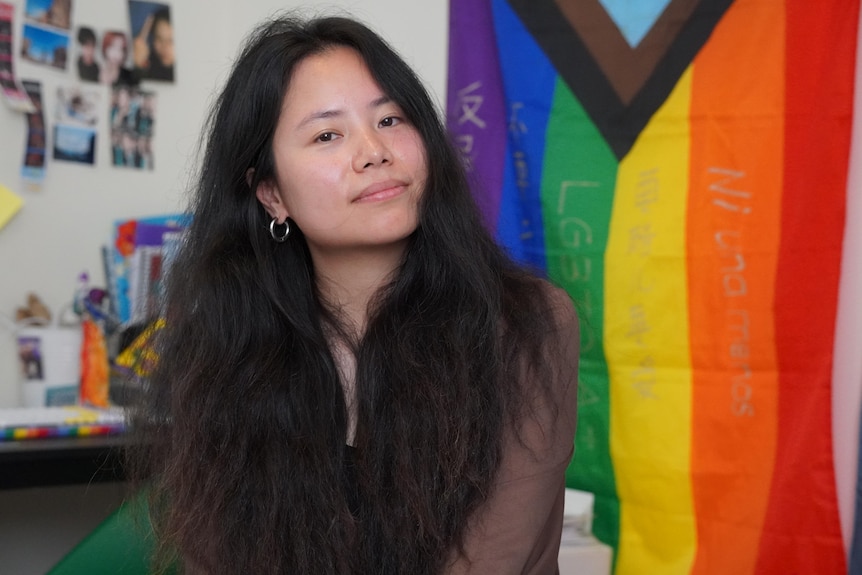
[{"x": 647, "y": 346}]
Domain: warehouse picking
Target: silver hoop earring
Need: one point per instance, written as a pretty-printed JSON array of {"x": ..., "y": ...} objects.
[{"x": 276, "y": 237}]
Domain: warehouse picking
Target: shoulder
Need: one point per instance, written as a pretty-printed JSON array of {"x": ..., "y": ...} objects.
[
  {"x": 562, "y": 337},
  {"x": 560, "y": 306},
  {"x": 558, "y": 376},
  {"x": 540, "y": 317},
  {"x": 562, "y": 343}
]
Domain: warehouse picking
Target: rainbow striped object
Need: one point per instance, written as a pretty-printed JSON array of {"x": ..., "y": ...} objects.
[
  {"x": 17, "y": 424},
  {"x": 681, "y": 170}
]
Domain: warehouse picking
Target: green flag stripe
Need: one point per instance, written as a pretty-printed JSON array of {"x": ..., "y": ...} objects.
[{"x": 578, "y": 180}]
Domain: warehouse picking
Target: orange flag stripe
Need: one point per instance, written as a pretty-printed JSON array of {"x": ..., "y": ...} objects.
[{"x": 733, "y": 235}]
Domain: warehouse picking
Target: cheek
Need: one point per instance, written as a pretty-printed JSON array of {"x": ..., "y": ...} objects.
[
  {"x": 410, "y": 142},
  {"x": 415, "y": 156},
  {"x": 164, "y": 46},
  {"x": 314, "y": 189}
]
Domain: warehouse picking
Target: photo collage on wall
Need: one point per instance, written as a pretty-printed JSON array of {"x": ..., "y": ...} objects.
[{"x": 113, "y": 73}]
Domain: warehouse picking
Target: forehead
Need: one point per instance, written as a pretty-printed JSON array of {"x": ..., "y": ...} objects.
[
  {"x": 337, "y": 73},
  {"x": 162, "y": 28}
]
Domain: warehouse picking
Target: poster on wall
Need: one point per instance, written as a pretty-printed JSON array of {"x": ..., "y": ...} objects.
[
  {"x": 13, "y": 92},
  {"x": 44, "y": 46},
  {"x": 46, "y": 32},
  {"x": 115, "y": 53},
  {"x": 30, "y": 358},
  {"x": 153, "y": 44},
  {"x": 132, "y": 117},
  {"x": 55, "y": 13},
  {"x": 76, "y": 119},
  {"x": 33, "y": 170},
  {"x": 86, "y": 60},
  {"x": 102, "y": 58}
]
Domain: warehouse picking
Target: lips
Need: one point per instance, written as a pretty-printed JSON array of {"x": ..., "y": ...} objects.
[{"x": 381, "y": 191}]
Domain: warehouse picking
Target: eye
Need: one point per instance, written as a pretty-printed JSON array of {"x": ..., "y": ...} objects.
[
  {"x": 390, "y": 121},
  {"x": 326, "y": 137}
]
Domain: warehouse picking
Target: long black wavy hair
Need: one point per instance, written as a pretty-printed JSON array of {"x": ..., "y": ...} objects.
[{"x": 245, "y": 419}]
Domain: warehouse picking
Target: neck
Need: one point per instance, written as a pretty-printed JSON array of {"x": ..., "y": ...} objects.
[{"x": 349, "y": 279}]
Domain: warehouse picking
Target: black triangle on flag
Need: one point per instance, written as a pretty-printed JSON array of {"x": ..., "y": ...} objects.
[{"x": 619, "y": 86}]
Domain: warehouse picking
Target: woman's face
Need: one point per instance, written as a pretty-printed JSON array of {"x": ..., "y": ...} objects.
[
  {"x": 116, "y": 50},
  {"x": 350, "y": 168},
  {"x": 123, "y": 98},
  {"x": 88, "y": 52},
  {"x": 163, "y": 42}
]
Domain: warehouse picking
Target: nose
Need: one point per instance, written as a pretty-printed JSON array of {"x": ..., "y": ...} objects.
[{"x": 371, "y": 150}]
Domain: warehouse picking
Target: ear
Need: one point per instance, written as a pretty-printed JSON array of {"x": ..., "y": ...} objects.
[{"x": 268, "y": 195}]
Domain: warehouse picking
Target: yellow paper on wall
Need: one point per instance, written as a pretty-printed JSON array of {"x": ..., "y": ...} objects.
[{"x": 9, "y": 205}]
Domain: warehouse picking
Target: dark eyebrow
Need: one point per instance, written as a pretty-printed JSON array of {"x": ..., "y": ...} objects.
[
  {"x": 384, "y": 99},
  {"x": 325, "y": 114},
  {"x": 321, "y": 115}
]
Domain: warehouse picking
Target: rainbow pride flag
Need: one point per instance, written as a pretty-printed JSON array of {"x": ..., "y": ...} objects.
[{"x": 680, "y": 167}]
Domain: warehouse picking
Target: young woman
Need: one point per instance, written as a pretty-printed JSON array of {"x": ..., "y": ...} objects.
[
  {"x": 88, "y": 68},
  {"x": 353, "y": 377},
  {"x": 115, "y": 48},
  {"x": 153, "y": 47}
]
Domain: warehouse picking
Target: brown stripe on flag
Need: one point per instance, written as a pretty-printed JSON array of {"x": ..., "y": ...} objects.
[{"x": 626, "y": 68}]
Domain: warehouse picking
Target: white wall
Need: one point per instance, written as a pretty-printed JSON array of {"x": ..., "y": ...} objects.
[{"x": 59, "y": 231}]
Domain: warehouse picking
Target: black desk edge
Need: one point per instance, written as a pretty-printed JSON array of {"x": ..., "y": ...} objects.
[{"x": 61, "y": 461}]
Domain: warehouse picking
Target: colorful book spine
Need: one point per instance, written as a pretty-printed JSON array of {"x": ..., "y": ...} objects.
[{"x": 58, "y": 431}]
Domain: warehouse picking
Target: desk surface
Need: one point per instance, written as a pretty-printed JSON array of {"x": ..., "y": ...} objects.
[{"x": 66, "y": 461}]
